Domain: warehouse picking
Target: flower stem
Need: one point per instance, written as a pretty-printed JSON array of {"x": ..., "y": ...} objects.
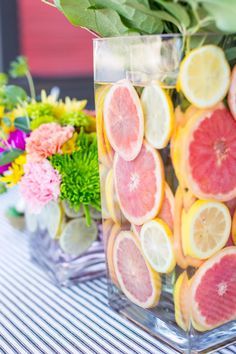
[{"x": 31, "y": 85}]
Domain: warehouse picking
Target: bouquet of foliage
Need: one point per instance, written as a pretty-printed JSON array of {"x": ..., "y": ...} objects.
[{"x": 48, "y": 147}]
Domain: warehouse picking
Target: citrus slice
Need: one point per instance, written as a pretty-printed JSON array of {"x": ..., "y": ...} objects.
[
  {"x": 206, "y": 228},
  {"x": 213, "y": 291},
  {"x": 123, "y": 118},
  {"x": 104, "y": 147},
  {"x": 54, "y": 219},
  {"x": 204, "y": 76},
  {"x": 140, "y": 185},
  {"x": 234, "y": 228},
  {"x": 42, "y": 219},
  {"x": 208, "y": 153},
  {"x": 103, "y": 171},
  {"x": 77, "y": 237},
  {"x": 136, "y": 229},
  {"x": 158, "y": 245},
  {"x": 95, "y": 214},
  {"x": 109, "y": 252},
  {"x": 166, "y": 212},
  {"x": 232, "y": 93},
  {"x": 111, "y": 200},
  {"x": 182, "y": 260},
  {"x": 158, "y": 115},
  {"x": 106, "y": 228},
  {"x": 181, "y": 301},
  {"x": 136, "y": 278},
  {"x": 70, "y": 212}
]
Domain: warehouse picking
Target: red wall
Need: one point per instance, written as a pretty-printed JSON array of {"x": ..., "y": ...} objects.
[{"x": 53, "y": 46}]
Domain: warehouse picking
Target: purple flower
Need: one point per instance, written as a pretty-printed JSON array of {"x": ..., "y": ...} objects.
[{"x": 16, "y": 140}]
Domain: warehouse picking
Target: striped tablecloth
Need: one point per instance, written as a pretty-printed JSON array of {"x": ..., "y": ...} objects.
[{"x": 38, "y": 317}]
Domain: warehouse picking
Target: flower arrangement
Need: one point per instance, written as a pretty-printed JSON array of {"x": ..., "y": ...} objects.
[{"x": 47, "y": 147}]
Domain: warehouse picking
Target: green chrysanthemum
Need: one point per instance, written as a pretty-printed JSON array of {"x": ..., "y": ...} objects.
[{"x": 80, "y": 175}]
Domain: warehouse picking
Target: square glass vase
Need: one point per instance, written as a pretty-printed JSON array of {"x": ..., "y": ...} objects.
[
  {"x": 166, "y": 141},
  {"x": 62, "y": 243}
]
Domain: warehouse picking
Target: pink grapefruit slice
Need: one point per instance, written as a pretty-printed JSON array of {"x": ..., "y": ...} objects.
[
  {"x": 213, "y": 291},
  {"x": 140, "y": 185},
  {"x": 166, "y": 212},
  {"x": 136, "y": 278},
  {"x": 124, "y": 122},
  {"x": 232, "y": 93},
  {"x": 136, "y": 229},
  {"x": 209, "y": 154}
]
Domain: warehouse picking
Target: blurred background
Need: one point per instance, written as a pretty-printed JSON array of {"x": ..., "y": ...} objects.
[{"x": 58, "y": 53}]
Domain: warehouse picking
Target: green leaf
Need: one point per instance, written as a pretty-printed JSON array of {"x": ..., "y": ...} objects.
[
  {"x": 135, "y": 14},
  {"x": 19, "y": 67},
  {"x": 9, "y": 156},
  {"x": 176, "y": 10},
  {"x": 3, "y": 79},
  {"x": 231, "y": 54},
  {"x": 223, "y": 12},
  {"x": 14, "y": 94},
  {"x": 6, "y": 121},
  {"x": 104, "y": 22},
  {"x": 22, "y": 123}
]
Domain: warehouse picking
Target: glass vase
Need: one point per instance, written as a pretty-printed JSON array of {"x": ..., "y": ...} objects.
[
  {"x": 167, "y": 172},
  {"x": 64, "y": 245}
]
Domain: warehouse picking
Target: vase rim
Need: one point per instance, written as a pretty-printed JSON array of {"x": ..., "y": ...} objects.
[{"x": 163, "y": 35}]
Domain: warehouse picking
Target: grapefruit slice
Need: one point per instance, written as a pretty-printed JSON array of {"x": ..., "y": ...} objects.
[
  {"x": 103, "y": 171},
  {"x": 206, "y": 228},
  {"x": 158, "y": 245},
  {"x": 167, "y": 209},
  {"x": 106, "y": 228},
  {"x": 213, "y": 290},
  {"x": 158, "y": 114},
  {"x": 111, "y": 200},
  {"x": 181, "y": 301},
  {"x": 123, "y": 118},
  {"x": 234, "y": 228},
  {"x": 109, "y": 252},
  {"x": 231, "y": 205},
  {"x": 137, "y": 280},
  {"x": 209, "y": 154},
  {"x": 140, "y": 185},
  {"x": 182, "y": 260},
  {"x": 105, "y": 150},
  {"x": 232, "y": 93}
]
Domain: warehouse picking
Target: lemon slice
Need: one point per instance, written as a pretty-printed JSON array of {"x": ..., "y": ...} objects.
[
  {"x": 206, "y": 228},
  {"x": 54, "y": 219},
  {"x": 158, "y": 115},
  {"x": 204, "y": 76},
  {"x": 157, "y": 245},
  {"x": 70, "y": 212},
  {"x": 77, "y": 237}
]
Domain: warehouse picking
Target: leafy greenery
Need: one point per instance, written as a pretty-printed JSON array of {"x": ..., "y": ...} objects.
[
  {"x": 9, "y": 156},
  {"x": 11, "y": 96},
  {"x": 122, "y": 17},
  {"x": 22, "y": 123},
  {"x": 80, "y": 174}
]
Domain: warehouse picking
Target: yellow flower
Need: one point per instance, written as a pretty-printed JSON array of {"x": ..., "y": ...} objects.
[
  {"x": 73, "y": 105},
  {"x": 70, "y": 145},
  {"x": 15, "y": 172},
  {"x": 3, "y": 126}
]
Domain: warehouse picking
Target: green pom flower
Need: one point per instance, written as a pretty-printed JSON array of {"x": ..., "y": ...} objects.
[{"x": 80, "y": 175}]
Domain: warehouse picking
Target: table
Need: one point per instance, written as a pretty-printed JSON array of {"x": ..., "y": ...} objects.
[{"x": 38, "y": 317}]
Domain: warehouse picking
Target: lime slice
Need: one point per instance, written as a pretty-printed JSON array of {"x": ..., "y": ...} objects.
[
  {"x": 54, "y": 219},
  {"x": 42, "y": 219},
  {"x": 31, "y": 221},
  {"x": 77, "y": 237},
  {"x": 70, "y": 212}
]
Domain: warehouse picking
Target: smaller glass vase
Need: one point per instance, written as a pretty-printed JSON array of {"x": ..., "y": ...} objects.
[{"x": 64, "y": 246}]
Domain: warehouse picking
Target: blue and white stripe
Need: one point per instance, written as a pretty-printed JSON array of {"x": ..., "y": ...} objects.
[{"x": 38, "y": 317}]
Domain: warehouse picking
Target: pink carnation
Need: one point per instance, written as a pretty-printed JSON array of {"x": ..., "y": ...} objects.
[
  {"x": 39, "y": 185},
  {"x": 47, "y": 140}
]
